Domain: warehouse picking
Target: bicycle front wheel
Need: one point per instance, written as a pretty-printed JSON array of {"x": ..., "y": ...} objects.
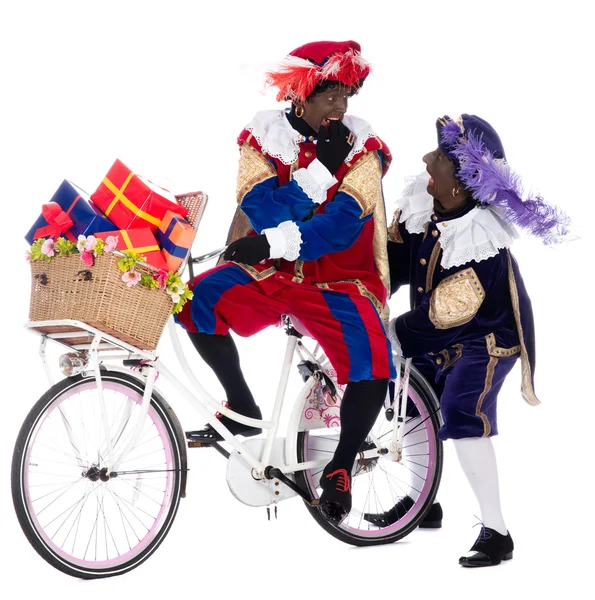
[{"x": 81, "y": 517}]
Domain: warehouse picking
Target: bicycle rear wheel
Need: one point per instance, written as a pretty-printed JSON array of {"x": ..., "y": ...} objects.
[
  {"x": 79, "y": 516},
  {"x": 378, "y": 484}
]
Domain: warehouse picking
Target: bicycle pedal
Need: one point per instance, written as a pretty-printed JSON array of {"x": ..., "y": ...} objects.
[
  {"x": 315, "y": 502},
  {"x": 199, "y": 444}
]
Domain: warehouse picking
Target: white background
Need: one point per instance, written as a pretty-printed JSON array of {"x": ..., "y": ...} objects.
[{"x": 166, "y": 87}]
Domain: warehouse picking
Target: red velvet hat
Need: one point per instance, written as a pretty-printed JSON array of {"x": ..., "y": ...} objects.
[{"x": 306, "y": 66}]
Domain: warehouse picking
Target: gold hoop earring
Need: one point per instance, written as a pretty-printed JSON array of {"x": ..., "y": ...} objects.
[
  {"x": 299, "y": 111},
  {"x": 455, "y": 193}
]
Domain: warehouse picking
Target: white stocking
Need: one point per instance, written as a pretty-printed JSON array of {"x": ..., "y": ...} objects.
[{"x": 478, "y": 460}]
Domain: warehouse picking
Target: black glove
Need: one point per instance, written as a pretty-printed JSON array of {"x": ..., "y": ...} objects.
[
  {"x": 334, "y": 144},
  {"x": 248, "y": 250}
]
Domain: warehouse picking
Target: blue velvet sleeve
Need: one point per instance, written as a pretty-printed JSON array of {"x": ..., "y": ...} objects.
[
  {"x": 267, "y": 204},
  {"x": 418, "y": 334},
  {"x": 334, "y": 230}
]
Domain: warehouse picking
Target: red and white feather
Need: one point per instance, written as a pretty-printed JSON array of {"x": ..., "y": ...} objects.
[{"x": 296, "y": 77}]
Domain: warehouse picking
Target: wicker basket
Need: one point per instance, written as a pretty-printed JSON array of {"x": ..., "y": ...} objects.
[{"x": 66, "y": 288}]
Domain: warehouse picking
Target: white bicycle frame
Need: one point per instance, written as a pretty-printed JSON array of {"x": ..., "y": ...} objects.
[{"x": 204, "y": 403}]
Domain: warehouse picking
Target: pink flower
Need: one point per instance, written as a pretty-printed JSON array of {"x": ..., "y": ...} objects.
[
  {"x": 160, "y": 277},
  {"x": 87, "y": 257},
  {"x": 131, "y": 278},
  {"x": 28, "y": 257},
  {"x": 111, "y": 243},
  {"x": 91, "y": 243},
  {"x": 86, "y": 243},
  {"x": 48, "y": 247}
]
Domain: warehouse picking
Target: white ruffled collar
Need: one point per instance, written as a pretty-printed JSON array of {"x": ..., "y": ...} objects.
[
  {"x": 280, "y": 140},
  {"x": 478, "y": 235}
]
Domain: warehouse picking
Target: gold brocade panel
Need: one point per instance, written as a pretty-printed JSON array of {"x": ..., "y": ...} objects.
[
  {"x": 456, "y": 299},
  {"x": 364, "y": 184},
  {"x": 254, "y": 168}
]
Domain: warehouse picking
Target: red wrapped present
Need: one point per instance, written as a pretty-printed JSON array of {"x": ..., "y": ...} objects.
[
  {"x": 132, "y": 202},
  {"x": 140, "y": 240},
  {"x": 175, "y": 236}
]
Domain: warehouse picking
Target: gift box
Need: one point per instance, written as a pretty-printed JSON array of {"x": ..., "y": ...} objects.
[
  {"x": 68, "y": 214},
  {"x": 141, "y": 240},
  {"x": 132, "y": 202},
  {"x": 175, "y": 236}
]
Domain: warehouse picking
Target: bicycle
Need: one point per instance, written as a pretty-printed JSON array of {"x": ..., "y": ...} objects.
[{"x": 100, "y": 463}]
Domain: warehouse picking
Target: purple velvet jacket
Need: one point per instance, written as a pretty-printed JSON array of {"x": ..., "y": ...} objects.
[{"x": 477, "y": 305}]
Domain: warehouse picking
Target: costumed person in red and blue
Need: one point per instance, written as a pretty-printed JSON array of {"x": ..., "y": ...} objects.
[
  {"x": 471, "y": 316},
  {"x": 313, "y": 244}
]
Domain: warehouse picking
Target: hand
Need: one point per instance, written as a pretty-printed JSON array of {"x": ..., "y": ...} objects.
[
  {"x": 334, "y": 144},
  {"x": 248, "y": 250}
]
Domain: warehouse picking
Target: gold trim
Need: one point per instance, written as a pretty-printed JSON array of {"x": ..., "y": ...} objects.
[
  {"x": 252, "y": 170},
  {"x": 298, "y": 269},
  {"x": 363, "y": 183},
  {"x": 432, "y": 266},
  {"x": 527, "y": 391},
  {"x": 363, "y": 290},
  {"x": 380, "y": 245},
  {"x": 456, "y": 299},
  {"x": 458, "y": 348},
  {"x": 293, "y": 168},
  {"x": 394, "y": 235},
  {"x": 257, "y": 275},
  {"x": 487, "y": 428},
  {"x": 494, "y": 350}
]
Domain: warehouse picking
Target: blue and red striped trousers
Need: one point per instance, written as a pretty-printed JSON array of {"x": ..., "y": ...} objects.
[{"x": 346, "y": 325}]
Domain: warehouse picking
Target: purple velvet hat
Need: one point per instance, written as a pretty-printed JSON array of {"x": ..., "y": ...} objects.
[{"x": 481, "y": 167}]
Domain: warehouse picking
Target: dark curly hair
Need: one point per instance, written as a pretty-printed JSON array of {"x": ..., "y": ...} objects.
[{"x": 329, "y": 84}]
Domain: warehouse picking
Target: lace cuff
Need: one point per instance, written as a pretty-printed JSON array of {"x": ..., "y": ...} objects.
[
  {"x": 276, "y": 241},
  {"x": 315, "y": 181},
  {"x": 292, "y": 240}
]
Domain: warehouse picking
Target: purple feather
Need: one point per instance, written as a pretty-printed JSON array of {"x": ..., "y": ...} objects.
[
  {"x": 450, "y": 133},
  {"x": 493, "y": 182}
]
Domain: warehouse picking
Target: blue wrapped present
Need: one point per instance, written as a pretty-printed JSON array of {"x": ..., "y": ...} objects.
[{"x": 75, "y": 216}]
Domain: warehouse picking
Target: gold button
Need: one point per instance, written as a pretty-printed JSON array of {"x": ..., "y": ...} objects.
[
  {"x": 444, "y": 224},
  {"x": 311, "y": 138},
  {"x": 434, "y": 233},
  {"x": 308, "y": 154},
  {"x": 438, "y": 361},
  {"x": 434, "y": 218},
  {"x": 423, "y": 261},
  {"x": 420, "y": 290}
]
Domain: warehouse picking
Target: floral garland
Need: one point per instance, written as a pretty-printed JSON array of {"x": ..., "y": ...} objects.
[{"x": 89, "y": 247}]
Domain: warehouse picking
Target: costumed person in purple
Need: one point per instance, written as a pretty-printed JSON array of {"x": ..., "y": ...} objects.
[
  {"x": 471, "y": 316},
  {"x": 311, "y": 242}
]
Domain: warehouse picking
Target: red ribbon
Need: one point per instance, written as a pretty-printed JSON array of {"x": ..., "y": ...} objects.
[{"x": 58, "y": 222}]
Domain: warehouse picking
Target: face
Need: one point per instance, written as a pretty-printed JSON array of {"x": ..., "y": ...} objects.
[
  {"x": 330, "y": 104},
  {"x": 443, "y": 181}
]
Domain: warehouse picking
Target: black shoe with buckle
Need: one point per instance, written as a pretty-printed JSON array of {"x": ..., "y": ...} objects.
[
  {"x": 209, "y": 435},
  {"x": 489, "y": 550},
  {"x": 335, "y": 500},
  {"x": 432, "y": 519}
]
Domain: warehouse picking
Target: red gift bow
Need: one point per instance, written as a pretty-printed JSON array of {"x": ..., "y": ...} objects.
[{"x": 58, "y": 222}]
